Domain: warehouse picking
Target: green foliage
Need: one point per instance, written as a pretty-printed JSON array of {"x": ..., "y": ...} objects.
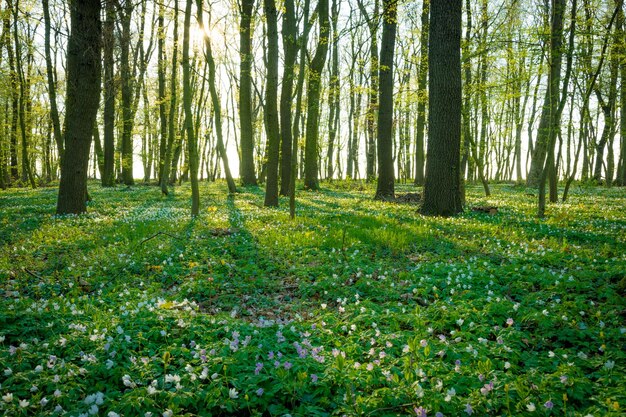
[{"x": 356, "y": 308}]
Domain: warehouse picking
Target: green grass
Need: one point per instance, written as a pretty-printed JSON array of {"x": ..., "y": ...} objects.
[{"x": 355, "y": 308}]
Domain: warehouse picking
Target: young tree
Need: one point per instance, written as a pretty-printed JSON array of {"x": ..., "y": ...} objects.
[
  {"x": 81, "y": 103},
  {"x": 441, "y": 189},
  {"x": 386, "y": 179}
]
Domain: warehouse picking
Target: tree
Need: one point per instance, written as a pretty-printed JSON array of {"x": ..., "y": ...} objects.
[
  {"x": 248, "y": 177},
  {"x": 192, "y": 143},
  {"x": 271, "y": 108},
  {"x": 108, "y": 115},
  {"x": 171, "y": 122},
  {"x": 441, "y": 188},
  {"x": 385, "y": 187},
  {"x": 290, "y": 48},
  {"x": 316, "y": 66},
  {"x": 51, "y": 77},
  {"x": 422, "y": 96},
  {"x": 215, "y": 100},
  {"x": 81, "y": 103},
  {"x": 372, "y": 23},
  {"x": 543, "y": 156}
]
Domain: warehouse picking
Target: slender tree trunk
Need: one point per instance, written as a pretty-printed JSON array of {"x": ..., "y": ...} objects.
[
  {"x": 248, "y": 176},
  {"x": 290, "y": 49},
  {"x": 192, "y": 143},
  {"x": 81, "y": 103},
  {"x": 217, "y": 108},
  {"x": 126, "y": 82},
  {"x": 316, "y": 66},
  {"x": 543, "y": 156},
  {"x": 422, "y": 96},
  {"x": 171, "y": 123},
  {"x": 333, "y": 92},
  {"x": 271, "y": 109},
  {"x": 108, "y": 38},
  {"x": 51, "y": 76},
  {"x": 386, "y": 178}
]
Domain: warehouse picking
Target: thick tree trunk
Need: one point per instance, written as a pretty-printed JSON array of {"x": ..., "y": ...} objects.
[
  {"x": 441, "y": 189},
  {"x": 81, "y": 103}
]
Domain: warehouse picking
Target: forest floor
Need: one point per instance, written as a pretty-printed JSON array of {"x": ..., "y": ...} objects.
[{"x": 355, "y": 308}]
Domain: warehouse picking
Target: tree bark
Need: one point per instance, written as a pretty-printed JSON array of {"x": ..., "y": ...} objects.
[
  {"x": 386, "y": 178},
  {"x": 422, "y": 96},
  {"x": 311, "y": 178},
  {"x": 271, "y": 109},
  {"x": 441, "y": 189},
  {"x": 81, "y": 103},
  {"x": 248, "y": 176},
  {"x": 192, "y": 143}
]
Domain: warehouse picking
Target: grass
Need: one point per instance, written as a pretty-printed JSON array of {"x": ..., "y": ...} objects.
[{"x": 355, "y": 308}]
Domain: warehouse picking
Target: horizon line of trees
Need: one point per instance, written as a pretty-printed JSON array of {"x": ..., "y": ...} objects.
[{"x": 316, "y": 91}]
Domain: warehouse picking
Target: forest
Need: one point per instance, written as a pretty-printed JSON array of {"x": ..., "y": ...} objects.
[{"x": 312, "y": 208}]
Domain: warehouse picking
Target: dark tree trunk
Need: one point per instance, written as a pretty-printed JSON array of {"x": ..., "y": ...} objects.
[
  {"x": 126, "y": 81},
  {"x": 543, "y": 157},
  {"x": 13, "y": 171},
  {"x": 333, "y": 93},
  {"x": 171, "y": 123},
  {"x": 311, "y": 178},
  {"x": 370, "y": 154},
  {"x": 81, "y": 103},
  {"x": 441, "y": 189},
  {"x": 271, "y": 109},
  {"x": 52, "y": 92},
  {"x": 217, "y": 108},
  {"x": 108, "y": 177},
  {"x": 290, "y": 48},
  {"x": 248, "y": 176},
  {"x": 386, "y": 178},
  {"x": 192, "y": 143}
]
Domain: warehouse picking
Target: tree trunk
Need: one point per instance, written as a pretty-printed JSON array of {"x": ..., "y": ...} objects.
[
  {"x": 441, "y": 189},
  {"x": 171, "y": 123},
  {"x": 271, "y": 109},
  {"x": 248, "y": 176},
  {"x": 217, "y": 108},
  {"x": 52, "y": 92},
  {"x": 422, "y": 96},
  {"x": 81, "y": 103},
  {"x": 386, "y": 179},
  {"x": 192, "y": 143},
  {"x": 543, "y": 157},
  {"x": 316, "y": 66},
  {"x": 290, "y": 48}
]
